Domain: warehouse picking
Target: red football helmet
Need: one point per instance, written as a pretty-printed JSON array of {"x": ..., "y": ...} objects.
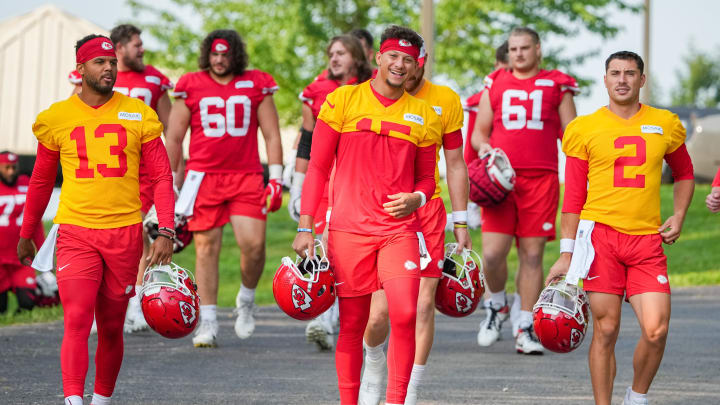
[
  {"x": 461, "y": 284},
  {"x": 492, "y": 178},
  {"x": 561, "y": 316},
  {"x": 169, "y": 300},
  {"x": 306, "y": 288},
  {"x": 183, "y": 236}
]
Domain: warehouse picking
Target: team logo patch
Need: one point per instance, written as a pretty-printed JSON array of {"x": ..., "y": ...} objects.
[
  {"x": 404, "y": 42},
  {"x": 152, "y": 79},
  {"x": 575, "y": 338},
  {"x": 244, "y": 84},
  {"x": 544, "y": 83},
  {"x": 300, "y": 298},
  {"x": 188, "y": 313},
  {"x": 410, "y": 265},
  {"x": 547, "y": 226},
  {"x": 462, "y": 302},
  {"x": 438, "y": 109},
  {"x": 651, "y": 129},
  {"x": 662, "y": 279},
  {"x": 221, "y": 48},
  {"x": 129, "y": 116},
  {"x": 106, "y": 46},
  {"x": 414, "y": 118}
]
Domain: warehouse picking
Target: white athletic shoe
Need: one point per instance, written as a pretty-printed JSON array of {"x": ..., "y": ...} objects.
[
  {"x": 320, "y": 333},
  {"x": 134, "y": 318},
  {"x": 245, "y": 321},
  {"x": 515, "y": 314},
  {"x": 372, "y": 384},
  {"x": 527, "y": 343},
  {"x": 206, "y": 334},
  {"x": 474, "y": 217},
  {"x": 411, "y": 395},
  {"x": 628, "y": 401},
  {"x": 489, "y": 331}
]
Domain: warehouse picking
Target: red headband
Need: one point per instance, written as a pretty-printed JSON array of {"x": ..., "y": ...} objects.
[
  {"x": 220, "y": 45},
  {"x": 400, "y": 45},
  {"x": 94, "y": 48},
  {"x": 8, "y": 158}
]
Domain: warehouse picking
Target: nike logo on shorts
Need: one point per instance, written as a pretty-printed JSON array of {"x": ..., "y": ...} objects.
[{"x": 60, "y": 268}]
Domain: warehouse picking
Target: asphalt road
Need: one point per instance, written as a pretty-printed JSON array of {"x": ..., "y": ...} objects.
[{"x": 276, "y": 366}]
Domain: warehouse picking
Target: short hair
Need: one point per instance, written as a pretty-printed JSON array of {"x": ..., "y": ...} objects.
[
  {"x": 526, "y": 31},
  {"x": 626, "y": 55},
  {"x": 501, "y": 53},
  {"x": 123, "y": 33},
  {"x": 238, "y": 58},
  {"x": 363, "y": 71},
  {"x": 395, "y": 31},
  {"x": 87, "y": 38},
  {"x": 365, "y": 35}
]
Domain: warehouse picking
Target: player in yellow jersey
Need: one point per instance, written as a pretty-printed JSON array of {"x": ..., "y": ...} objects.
[
  {"x": 99, "y": 137},
  {"x": 432, "y": 216},
  {"x": 612, "y": 207}
]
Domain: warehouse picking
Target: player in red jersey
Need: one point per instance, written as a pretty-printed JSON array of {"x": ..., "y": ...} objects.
[
  {"x": 372, "y": 237},
  {"x": 611, "y": 227},
  {"x": 224, "y": 104},
  {"x": 15, "y": 276},
  {"x": 99, "y": 138},
  {"x": 522, "y": 112},
  {"x": 712, "y": 201},
  {"x": 347, "y": 64}
]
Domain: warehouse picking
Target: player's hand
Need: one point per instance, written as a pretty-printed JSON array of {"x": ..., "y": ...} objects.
[
  {"x": 294, "y": 203},
  {"x": 160, "y": 251},
  {"x": 304, "y": 244},
  {"x": 26, "y": 251},
  {"x": 274, "y": 192},
  {"x": 325, "y": 235},
  {"x": 402, "y": 204},
  {"x": 670, "y": 230},
  {"x": 713, "y": 200},
  {"x": 484, "y": 148},
  {"x": 462, "y": 237},
  {"x": 178, "y": 179},
  {"x": 560, "y": 268}
]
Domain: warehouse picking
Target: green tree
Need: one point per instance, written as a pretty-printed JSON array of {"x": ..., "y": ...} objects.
[
  {"x": 699, "y": 81},
  {"x": 287, "y": 38}
]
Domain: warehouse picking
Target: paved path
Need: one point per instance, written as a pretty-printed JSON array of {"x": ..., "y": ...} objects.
[{"x": 276, "y": 366}]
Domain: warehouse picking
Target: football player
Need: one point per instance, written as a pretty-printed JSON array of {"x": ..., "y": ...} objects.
[
  {"x": 432, "y": 216},
  {"x": 522, "y": 112},
  {"x": 612, "y": 207},
  {"x": 383, "y": 141},
  {"x": 224, "y": 104},
  {"x": 15, "y": 276},
  {"x": 712, "y": 201},
  {"x": 99, "y": 137},
  {"x": 346, "y": 65}
]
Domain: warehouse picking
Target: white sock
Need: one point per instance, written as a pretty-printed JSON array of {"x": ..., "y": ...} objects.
[
  {"x": 497, "y": 299},
  {"x": 246, "y": 295},
  {"x": 208, "y": 312},
  {"x": 73, "y": 400},
  {"x": 416, "y": 376},
  {"x": 636, "y": 395},
  {"x": 98, "y": 399},
  {"x": 374, "y": 354},
  {"x": 525, "y": 319}
]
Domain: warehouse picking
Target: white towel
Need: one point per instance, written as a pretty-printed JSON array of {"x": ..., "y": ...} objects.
[
  {"x": 185, "y": 203},
  {"x": 583, "y": 254},
  {"x": 424, "y": 254},
  {"x": 45, "y": 258}
]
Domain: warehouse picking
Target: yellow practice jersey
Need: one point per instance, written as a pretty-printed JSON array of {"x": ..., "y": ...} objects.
[
  {"x": 447, "y": 105},
  {"x": 624, "y": 165},
  {"x": 100, "y": 157}
]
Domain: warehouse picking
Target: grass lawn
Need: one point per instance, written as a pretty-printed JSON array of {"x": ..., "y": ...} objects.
[{"x": 694, "y": 260}]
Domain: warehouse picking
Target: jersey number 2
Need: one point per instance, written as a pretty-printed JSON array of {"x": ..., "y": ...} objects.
[
  {"x": 84, "y": 171},
  {"x": 519, "y": 111},
  {"x": 619, "y": 179}
]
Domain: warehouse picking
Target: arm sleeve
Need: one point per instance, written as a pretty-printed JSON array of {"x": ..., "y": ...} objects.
[
  {"x": 39, "y": 235},
  {"x": 576, "y": 175},
  {"x": 716, "y": 182},
  {"x": 453, "y": 140},
  {"x": 39, "y": 190},
  {"x": 154, "y": 157},
  {"x": 680, "y": 164},
  {"x": 425, "y": 170},
  {"x": 324, "y": 145}
]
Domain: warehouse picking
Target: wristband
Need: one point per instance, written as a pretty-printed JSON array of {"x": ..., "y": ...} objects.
[
  {"x": 327, "y": 216},
  {"x": 459, "y": 216},
  {"x": 170, "y": 231},
  {"x": 166, "y": 236},
  {"x": 567, "y": 245},
  {"x": 304, "y": 230},
  {"x": 460, "y": 225},
  {"x": 275, "y": 171},
  {"x": 423, "y": 198}
]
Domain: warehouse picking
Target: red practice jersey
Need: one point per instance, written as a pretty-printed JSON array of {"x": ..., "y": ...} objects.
[
  {"x": 148, "y": 85},
  {"x": 12, "y": 203},
  {"x": 224, "y": 123},
  {"x": 471, "y": 107},
  {"x": 526, "y": 122}
]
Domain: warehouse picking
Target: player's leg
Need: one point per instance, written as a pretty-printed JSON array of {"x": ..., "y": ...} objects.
[
  {"x": 606, "y": 309},
  {"x": 653, "y": 312},
  {"x": 495, "y": 248},
  {"x": 110, "y": 315},
  {"x": 207, "y": 255},
  {"x": 376, "y": 331},
  {"x": 250, "y": 237},
  {"x": 134, "y": 319},
  {"x": 354, "y": 313},
  {"x": 530, "y": 283}
]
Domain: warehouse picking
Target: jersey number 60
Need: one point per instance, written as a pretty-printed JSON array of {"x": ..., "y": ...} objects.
[{"x": 218, "y": 121}]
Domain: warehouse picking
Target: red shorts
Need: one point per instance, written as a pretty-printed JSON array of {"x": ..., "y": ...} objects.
[
  {"x": 362, "y": 263},
  {"x": 108, "y": 256},
  {"x": 14, "y": 276},
  {"x": 432, "y": 221},
  {"x": 224, "y": 194},
  {"x": 529, "y": 210},
  {"x": 631, "y": 264}
]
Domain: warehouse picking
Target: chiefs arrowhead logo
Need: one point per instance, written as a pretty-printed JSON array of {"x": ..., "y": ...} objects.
[
  {"x": 106, "y": 45},
  {"x": 462, "y": 302},
  {"x": 188, "y": 313},
  {"x": 221, "y": 48},
  {"x": 404, "y": 42},
  {"x": 300, "y": 298},
  {"x": 575, "y": 338}
]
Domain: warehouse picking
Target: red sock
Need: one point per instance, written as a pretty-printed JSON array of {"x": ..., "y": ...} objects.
[
  {"x": 110, "y": 317},
  {"x": 78, "y": 301},
  {"x": 402, "y": 296},
  {"x": 354, "y": 314}
]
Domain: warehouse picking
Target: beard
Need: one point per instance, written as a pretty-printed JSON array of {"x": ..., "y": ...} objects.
[
  {"x": 9, "y": 182},
  {"x": 94, "y": 83},
  {"x": 135, "y": 64}
]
